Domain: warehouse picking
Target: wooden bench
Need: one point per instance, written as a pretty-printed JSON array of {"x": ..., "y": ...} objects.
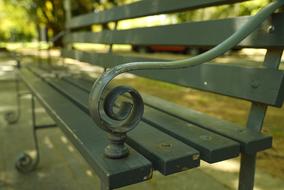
[{"x": 168, "y": 138}]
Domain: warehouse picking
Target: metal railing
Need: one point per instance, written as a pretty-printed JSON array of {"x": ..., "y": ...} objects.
[{"x": 117, "y": 124}]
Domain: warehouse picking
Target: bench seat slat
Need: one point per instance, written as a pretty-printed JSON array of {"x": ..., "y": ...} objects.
[
  {"x": 250, "y": 141},
  {"x": 84, "y": 85},
  {"x": 144, "y": 138},
  {"x": 213, "y": 147},
  {"x": 188, "y": 34},
  {"x": 200, "y": 139},
  {"x": 140, "y": 9},
  {"x": 88, "y": 138},
  {"x": 222, "y": 148},
  {"x": 210, "y": 77}
]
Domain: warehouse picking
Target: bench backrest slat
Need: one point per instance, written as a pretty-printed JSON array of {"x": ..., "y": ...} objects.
[
  {"x": 249, "y": 83},
  {"x": 141, "y": 9},
  {"x": 190, "y": 34}
]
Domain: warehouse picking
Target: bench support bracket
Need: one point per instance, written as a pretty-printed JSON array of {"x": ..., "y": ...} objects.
[
  {"x": 255, "y": 122},
  {"x": 13, "y": 117},
  {"x": 25, "y": 162}
]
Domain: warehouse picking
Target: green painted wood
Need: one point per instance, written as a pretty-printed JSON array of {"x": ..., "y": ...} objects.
[
  {"x": 212, "y": 147},
  {"x": 82, "y": 84},
  {"x": 87, "y": 138},
  {"x": 145, "y": 139},
  {"x": 100, "y": 59},
  {"x": 167, "y": 154},
  {"x": 190, "y": 34},
  {"x": 200, "y": 139},
  {"x": 249, "y": 140},
  {"x": 140, "y": 9},
  {"x": 248, "y": 83}
]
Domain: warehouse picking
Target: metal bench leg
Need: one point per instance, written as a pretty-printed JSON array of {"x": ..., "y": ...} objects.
[
  {"x": 247, "y": 171},
  {"x": 12, "y": 117},
  {"x": 26, "y": 163},
  {"x": 248, "y": 161},
  {"x": 255, "y": 122}
]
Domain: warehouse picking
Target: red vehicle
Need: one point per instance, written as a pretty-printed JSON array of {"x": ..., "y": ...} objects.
[
  {"x": 167, "y": 48},
  {"x": 171, "y": 48}
]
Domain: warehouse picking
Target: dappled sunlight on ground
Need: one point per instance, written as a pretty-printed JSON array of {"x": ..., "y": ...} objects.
[{"x": 228, "y": 171}]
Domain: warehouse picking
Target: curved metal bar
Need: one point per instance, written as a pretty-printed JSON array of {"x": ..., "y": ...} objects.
[{"x": 102, "y": 115}]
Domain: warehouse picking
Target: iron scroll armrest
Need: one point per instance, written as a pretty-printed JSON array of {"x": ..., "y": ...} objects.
[{"x": 118, "y": 124}]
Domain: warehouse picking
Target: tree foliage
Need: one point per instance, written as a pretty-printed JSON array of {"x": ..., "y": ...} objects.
[
  {"x": 46, "y": 13},
  {"x": 50, "y": 13},
  {"x": 15, "y": 24},
  {"x": 21, "y": 19},
  {"x": 225, "y": 11}
]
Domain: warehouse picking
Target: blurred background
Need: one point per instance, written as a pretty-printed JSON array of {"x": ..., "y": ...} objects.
[
  {"x": 25, "y": 22},
  {"x": 28, "y": 27}
]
